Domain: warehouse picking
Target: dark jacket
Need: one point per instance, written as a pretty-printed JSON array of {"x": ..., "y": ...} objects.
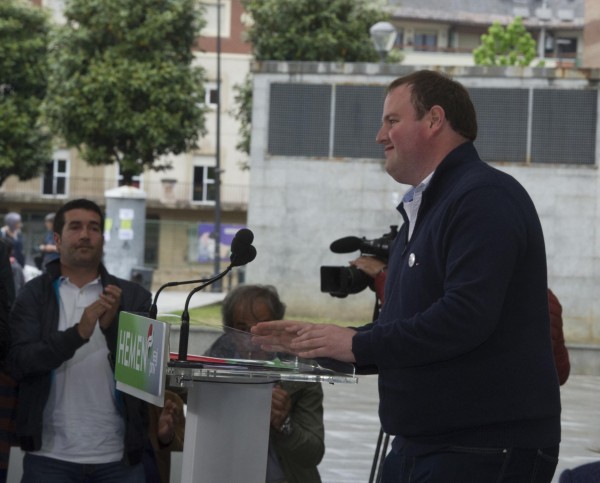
[
  {"x": 462, "y": 343},
  {"x": 38, "y": 347}
]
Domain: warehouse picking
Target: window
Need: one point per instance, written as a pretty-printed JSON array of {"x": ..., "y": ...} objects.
[
  {"x": 210, "y": 95},
  {"x": 210, "y": 15},
  {"x": 425, "y": 41},
  {"x": 566, "y": 47},
  {"x": 203, "y": 190},
  {"x": 55, "y": 180}
]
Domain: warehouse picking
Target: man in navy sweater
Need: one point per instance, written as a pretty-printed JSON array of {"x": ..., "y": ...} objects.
[{"x": 462, "y": 347}]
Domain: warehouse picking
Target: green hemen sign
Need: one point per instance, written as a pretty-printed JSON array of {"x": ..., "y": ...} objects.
[{"x": 142, "y": 351}]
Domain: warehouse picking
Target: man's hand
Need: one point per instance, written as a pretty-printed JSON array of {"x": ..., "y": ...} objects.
[
  {"x": 281, "y": 405},
  {"x": 167, "y": 422},
  {"x": 111, "y": 299},
  {"x": 305, "y": 339},
  {"x": 372, "y": 266},
  {"x": 102, "y": 310}
]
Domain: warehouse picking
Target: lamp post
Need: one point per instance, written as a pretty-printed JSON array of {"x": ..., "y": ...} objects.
[
  {"x": 383, "y": 35},
  {"x": 217, "y": 286}
]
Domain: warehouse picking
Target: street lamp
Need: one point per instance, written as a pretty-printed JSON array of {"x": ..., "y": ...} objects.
[
  {"x": 217, "y": 287},
  {"x": 383, "y": 35}
]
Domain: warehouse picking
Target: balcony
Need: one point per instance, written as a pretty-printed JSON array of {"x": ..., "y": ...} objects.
[{"x": 167, "y": 193}]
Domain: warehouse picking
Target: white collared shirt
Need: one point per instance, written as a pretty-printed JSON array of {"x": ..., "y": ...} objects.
[
  {"x": 412, "y": 201},
  {"x": 81, "y": 421}
]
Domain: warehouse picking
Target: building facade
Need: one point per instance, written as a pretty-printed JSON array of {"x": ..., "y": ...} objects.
[{"x": 180, "y": 202}]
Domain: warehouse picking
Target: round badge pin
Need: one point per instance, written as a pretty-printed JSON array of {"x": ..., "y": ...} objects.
[{"x": 411, "y": 260}]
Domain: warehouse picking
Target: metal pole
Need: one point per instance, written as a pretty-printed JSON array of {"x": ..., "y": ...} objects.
[{"x": 217, "y": 266}]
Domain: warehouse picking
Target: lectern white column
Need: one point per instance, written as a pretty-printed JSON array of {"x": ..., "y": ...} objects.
[{"x": 227, "y": 432}]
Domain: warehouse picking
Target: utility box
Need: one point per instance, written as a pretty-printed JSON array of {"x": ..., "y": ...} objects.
[
  {"x": 124, "y": 230},
  {"x": 142, "y": 276}
]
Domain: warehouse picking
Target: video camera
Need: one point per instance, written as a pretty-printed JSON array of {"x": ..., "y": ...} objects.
[{"x": 342, "y": 281}]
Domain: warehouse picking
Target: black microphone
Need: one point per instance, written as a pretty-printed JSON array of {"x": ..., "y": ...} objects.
[
  {"x": 153, "y": 312},
  {"x": 347, "y": 244},
  {"x": 240, "y": 246},
  {"x": 243, "y": 257},
  {"x": 242, "y": 252}
]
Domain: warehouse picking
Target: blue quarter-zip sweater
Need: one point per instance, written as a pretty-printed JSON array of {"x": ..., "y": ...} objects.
[{"x": 462, "y": 344}]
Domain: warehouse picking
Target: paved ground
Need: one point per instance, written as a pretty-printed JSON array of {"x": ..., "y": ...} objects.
[{"x": 352, "y": 427}]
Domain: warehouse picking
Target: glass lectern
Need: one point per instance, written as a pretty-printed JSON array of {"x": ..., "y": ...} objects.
[{"x": 229, "y": 401}]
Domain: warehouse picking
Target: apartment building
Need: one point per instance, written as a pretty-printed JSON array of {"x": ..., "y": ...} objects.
[
  {"x": 445, "y": 32},
  {"x": 180, "y": 202}
]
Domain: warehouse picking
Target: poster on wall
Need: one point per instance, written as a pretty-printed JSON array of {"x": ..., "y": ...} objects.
[{"x": 206, "y": 241}]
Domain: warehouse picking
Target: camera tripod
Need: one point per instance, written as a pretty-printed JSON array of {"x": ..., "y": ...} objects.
[
  {"x": 383, "y": 438},
  {"x": 379, "y": 456}
]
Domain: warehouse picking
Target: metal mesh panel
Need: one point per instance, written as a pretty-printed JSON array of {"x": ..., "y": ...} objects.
[
  {"x": 564, "y": 126},
  {"x": 299, "y": 119},
  {"x": 357, "y": 120},
  {"x": 502, "y": 123}
]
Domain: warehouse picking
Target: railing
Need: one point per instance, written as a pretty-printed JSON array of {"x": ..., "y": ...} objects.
[{"x": 167, "y": 193}]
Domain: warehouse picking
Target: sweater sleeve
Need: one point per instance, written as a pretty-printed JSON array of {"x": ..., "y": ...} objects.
[
  {"x": 561, "y": 355},
  {"x": 306, "y": 443}
]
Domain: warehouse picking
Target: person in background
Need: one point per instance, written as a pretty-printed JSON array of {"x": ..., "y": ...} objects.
[
  {"x": 467, "y": 381},
  {"x": 12, "y": 230},
  {"x": 559, "y": 349},
  {"x": 48, "y": 248},
  {"x": 18, "y": 273},
  {"x": 167, "y": 432},
  {"x": 297, "y": 435},
  {"x": 8, "y": 387},
  {"x": 71, "y": 421}
]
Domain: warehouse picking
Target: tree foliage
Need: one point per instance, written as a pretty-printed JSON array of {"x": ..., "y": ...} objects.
[
  {"x": 305, "y": 30},
  {"x": 510, "y": 45},
  {"x": 243, "y": 114},
  {"x": 312, "y": 30},
  {"x": 25, "y": 146},
  {"x": 122, "y": 86}
]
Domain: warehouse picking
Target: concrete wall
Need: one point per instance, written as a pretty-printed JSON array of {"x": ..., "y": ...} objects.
[{"x": 299, "y": 206}]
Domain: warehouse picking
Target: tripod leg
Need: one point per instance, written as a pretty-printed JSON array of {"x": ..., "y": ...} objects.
[
  {"x": 383, "y": 455},
  {"x": 376, "y": 455}
]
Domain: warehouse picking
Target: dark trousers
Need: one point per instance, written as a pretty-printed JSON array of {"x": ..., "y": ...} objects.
[
  {"x": 588, "y": 473},
  {"x": 481, "y": 465},
  {"x": 39, "y": 469}
]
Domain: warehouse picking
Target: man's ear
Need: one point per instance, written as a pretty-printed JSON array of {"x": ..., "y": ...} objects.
[{"x": 436, "y": 116}]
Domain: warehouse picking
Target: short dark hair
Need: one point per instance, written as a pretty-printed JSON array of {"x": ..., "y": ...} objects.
[
  {"x": 246, "y": 295},
  {"x": 80, "y": 203},
  {"x": 430, "y": 88}
]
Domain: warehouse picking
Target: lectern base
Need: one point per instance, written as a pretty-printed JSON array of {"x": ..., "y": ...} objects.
[{"x": 226, "y": 432}]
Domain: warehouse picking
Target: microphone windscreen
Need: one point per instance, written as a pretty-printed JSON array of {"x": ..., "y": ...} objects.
[
  {"x": 245, "y": 236},
  {"x": 346, "y": 245},
  {"x": 243, "y": 256}
]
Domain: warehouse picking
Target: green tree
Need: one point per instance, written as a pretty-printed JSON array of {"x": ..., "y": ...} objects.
[
  {"x": 317, "y": 30},
  {"x": 510, "y": 45},
  {"x": 242, "y": 112},
  {"x": 25, "y": 146},
  {"x": 122, "y": 86},
  {"x": 305, "y": 30}
]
